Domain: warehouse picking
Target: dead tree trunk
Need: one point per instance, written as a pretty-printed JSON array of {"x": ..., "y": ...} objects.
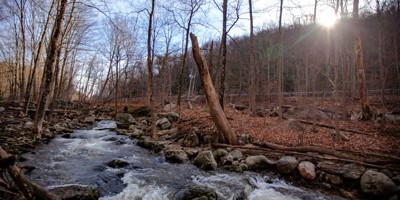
[
  {"x": 48, "y": 71},
  {"x": 216, "y": 112},
  {"x": 362, "y": 88}
]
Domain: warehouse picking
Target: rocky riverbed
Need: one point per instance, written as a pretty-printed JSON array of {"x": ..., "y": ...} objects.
[{"x": 176, "y": 146}]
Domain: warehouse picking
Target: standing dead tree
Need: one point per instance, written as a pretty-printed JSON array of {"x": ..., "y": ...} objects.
[
  {"x": 359, "y": 64},
  {"x": 226, "y": 135}
]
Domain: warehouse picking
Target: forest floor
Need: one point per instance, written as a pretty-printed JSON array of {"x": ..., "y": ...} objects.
[{"x": 372, "y": 136}]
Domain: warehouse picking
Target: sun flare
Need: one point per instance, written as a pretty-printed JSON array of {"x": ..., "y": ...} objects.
[{"x": 327, "y": 19}]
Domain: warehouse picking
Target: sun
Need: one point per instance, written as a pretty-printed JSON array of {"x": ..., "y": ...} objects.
[{"x": 327, "y": 19}]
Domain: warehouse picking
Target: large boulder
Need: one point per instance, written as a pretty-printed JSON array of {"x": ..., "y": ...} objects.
[
  {"x": 76, "y": 192},
  {"x": 200, "y": 193},
  {"x": 259, "y": 162},
  {"x": 377, "y": 183},
  {"x": 163, "y": 123},
  {"x": 307, "y": 170},
  {"x": 205, "y": 160},
  {"x": 124, "y": 120},
  {"x": 287, "y": 164},
  {"x": 175, "y": 155}
]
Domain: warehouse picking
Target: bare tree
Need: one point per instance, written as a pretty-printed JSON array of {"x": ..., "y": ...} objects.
[
  {"x": 226, "y": 135},
  {"x": 150, "y": 101},
  {"x": 253, "y": 77},
  {"x": 280, "y": 63},
  {"x": 359, "y": 64},
  {"x": 48, "y": 70}
]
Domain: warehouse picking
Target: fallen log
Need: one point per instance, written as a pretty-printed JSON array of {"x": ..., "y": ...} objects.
[
  {"x": 304, "y": 149},
  {"x": 332, "y": 127},
  {"x": 30, "y": 189}
]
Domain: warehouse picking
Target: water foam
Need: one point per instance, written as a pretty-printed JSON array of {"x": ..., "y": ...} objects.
[{"x": 139, "y": 189}]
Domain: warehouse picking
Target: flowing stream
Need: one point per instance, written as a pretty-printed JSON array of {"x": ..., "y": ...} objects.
[{"x": 82, "y": 160}]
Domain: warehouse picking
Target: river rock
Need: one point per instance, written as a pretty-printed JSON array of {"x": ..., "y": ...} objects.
[
  {"x": 172, "y": 116},
  {"x": 90, "y": 119},
  {"x": 136, "y": 133},
  {"x": 353, "y": 171},
  {"x": 333, "y": 179},
  {"x": 163, "y": 123},
  {"x": 191, "y": 140},
  {"x": 235, "y": 167},
  {"x": 307, "y": 170},
  {"x": 200, "y": 193},
  {"x": 258, "y": 162},
  {"x": 2, "y": 109},
  {"x": 124, "y": 120},
  {"x": 117, "y": 163},
  {"x": 76, "y": 192},
  {"x": 191, "y": 152},
  {"x": 232, "y": 156},
  {"x": 377, "y": 183},
  {"x": 28, "y": 125},
  {"x": 176, "y": 155},
  {"x": 169, "y": 107},
  {"x": 147, "y": 143},
  {"x": 330, "y": 167},
  {"x": 219, "y": 154},
  {"x": 205, "y": 160},
  {"x": 287, "y": 164}
]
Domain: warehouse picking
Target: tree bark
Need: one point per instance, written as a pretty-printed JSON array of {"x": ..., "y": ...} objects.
[
  {"x": 222, "y": 64},
  {"x": 280, "y": 63},
  {"x": 150, "y": 100},
  {"x": 253, "y": 84},
  {"x": 359, "y": 64},
  {"x": 48, "y": 70},
  {"x": 216, "y": 112}
]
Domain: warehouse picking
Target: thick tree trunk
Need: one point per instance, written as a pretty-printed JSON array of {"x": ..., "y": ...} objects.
[
  {"x": 48, "y": 71},
  {"x": 359, "y": 64},
  {"x": 216, "y": 112}
]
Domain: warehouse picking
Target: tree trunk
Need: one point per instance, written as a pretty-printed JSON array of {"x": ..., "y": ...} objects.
[
  {"x": 280, "y": 63},
  {"x": 216, "y": 112},
  {"x": 48, "y": 70},
  {"x": 150, "y": 73},
  {"x": 359, "y": 64},
  {"x": 222, "y": 63},
  {"x": 253, "y": 86}
]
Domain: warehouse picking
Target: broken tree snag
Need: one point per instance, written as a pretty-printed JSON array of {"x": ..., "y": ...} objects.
[
  {"x": 29, "y": 189},
  {"x": 216, "y": 112}
]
